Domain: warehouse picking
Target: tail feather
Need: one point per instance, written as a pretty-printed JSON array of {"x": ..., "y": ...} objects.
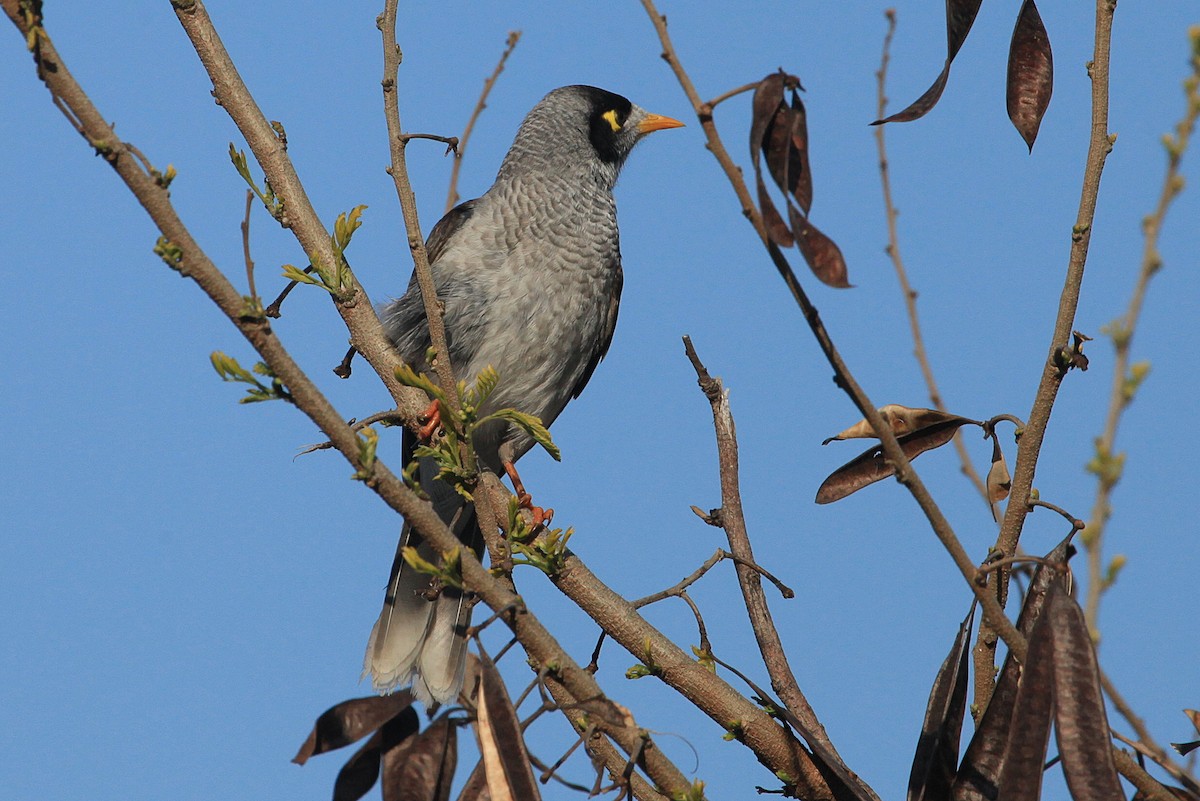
[{"x": 417, "y": 639}]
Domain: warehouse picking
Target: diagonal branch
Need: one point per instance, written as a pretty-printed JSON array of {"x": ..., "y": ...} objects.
[
  {"x": 231, "y": 93},
  {"x": 783, "y": 681}
]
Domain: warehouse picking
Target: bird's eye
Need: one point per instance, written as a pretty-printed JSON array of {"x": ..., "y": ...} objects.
[{"x": 613, "y": 119}]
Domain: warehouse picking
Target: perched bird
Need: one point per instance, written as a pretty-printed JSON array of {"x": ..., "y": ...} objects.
[{"x": 530, "y": 277}]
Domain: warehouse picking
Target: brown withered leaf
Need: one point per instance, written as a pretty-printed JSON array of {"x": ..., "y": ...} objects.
[
  {"x": 421, "y": 768},
  {"x": 1020, "y": 776},
  {"x": 785, "y": 148},
  {"x": 501, "y": 742},
  {"x": 1030, "y": 73},
  {"x": 1080, "y": 721},
  {"x": 960, "y": 16},
  {"x": 476, "y": 788},
  {"x": 979, "y": 771},
  {"x": 777, "y": 229},
  {"x": 821, "y": 253},
  {"x": 936, "y": 760},
  {"x": 922, "y": 105},
  {"x": 901, "y": 419},
  {"x": 999, "y": 482},
  {"x": 349, "y": 721},
  {"x": 361, "y": 771},
  {"x": 768, "y": 100},
  {"x": 802, "y": 188},
  {"x": 872, "y": 466}
]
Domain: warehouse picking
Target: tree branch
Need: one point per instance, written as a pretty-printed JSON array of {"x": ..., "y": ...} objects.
[
  {"x": 1107, "y": 465},
  {"x": 231, "y": 93}
]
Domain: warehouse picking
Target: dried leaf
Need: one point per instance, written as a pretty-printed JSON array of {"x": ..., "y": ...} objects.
[
  {"x": 980, "y": 768},
  {"x": 802, "y": 188},
  {"x": 1079, "y": 718},
  {"x": 999, "y": 482},
  {"x": 921, "y": 106},
  {"x": 768, "y": 100},
  {"x": 777, "y": 229},
  {"x": 501, "y": 742},
  {"x": 960, "y": 16},
  {"x": 349, "y": 721},
  {"x": 1020, "y": 776},
  {"x": 1030, "y": 73},
  {"x": 901, "y": 419},
  {"x": 936, "y": 759},
  {"x": 823, "y": 256},
  {"x": 476, "y": 788},
  {"x": 361, "y": 771},
  {"x": 872, "y": 466},
  {"x": 421, "y": 768},
  {"x": 785, "y": 147}
]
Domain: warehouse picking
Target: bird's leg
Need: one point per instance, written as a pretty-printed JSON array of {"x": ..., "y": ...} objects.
[
  {"x": 540, "y": 516},
  {"x": 433, "y": 421}
]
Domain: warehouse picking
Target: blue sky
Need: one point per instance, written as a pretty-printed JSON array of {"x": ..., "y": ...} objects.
[{"x": 184, "y": 594}]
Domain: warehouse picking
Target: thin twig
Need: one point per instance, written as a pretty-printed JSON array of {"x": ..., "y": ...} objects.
[
  {"x": 1106, "y": 464},
  {"x": 451, "y": 142},
  {"x": 275, "y": 309},
  {"x": 721, "y": 98},
  {"x": 987, "y": 567},
  {"x": 893, "y": 252},
  {"x": 509, "y": 45},
  {"x": 783, "y": 681},
  {"x": 394, "y": 416},
  {"x": 246, "y": 248},
  {"x": 1075, "y": 522}
]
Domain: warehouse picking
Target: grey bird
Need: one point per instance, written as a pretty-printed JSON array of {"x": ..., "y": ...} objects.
[{"x": 530, "y": 278}]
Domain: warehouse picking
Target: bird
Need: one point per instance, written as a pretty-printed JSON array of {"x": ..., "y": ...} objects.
[{"x": 529, "y": 275}]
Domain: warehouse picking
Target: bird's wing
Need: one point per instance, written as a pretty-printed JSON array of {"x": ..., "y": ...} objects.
[
  {"x": 445, "y": 229},
  {"x": 606, "y": 333}
]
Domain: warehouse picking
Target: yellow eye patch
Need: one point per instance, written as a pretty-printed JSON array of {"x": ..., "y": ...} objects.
[{"x": 611, "y": 117}]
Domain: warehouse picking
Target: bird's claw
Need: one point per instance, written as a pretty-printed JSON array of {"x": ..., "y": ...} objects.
[{"x": 433, "y": 421}]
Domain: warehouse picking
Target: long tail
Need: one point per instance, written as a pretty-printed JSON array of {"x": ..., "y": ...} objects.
[{"x": 420, "y": 636}]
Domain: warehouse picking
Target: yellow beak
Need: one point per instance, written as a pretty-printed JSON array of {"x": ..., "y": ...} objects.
[{"x": 657, "y": 122}]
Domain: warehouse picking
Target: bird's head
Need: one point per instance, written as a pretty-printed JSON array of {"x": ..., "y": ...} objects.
[{"x": 585, "y": 127}]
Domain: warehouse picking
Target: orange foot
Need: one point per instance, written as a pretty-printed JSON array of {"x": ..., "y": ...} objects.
[
  {"x": 541, "y": 517},
  {"x": 433, "y": 421}
]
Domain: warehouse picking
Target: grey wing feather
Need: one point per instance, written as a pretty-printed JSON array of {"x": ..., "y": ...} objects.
[
  {"x": 446, "y": 227},
  {"x": 606, "y": 334}
]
